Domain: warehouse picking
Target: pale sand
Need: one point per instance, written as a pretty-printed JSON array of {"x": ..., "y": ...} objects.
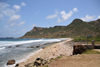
[{"x": 49, "y": 52}]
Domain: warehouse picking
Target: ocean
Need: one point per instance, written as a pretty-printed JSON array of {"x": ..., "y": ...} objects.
[{"x": 18, "y": 49}]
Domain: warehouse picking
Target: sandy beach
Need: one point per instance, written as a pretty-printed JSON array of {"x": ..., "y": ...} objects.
[{"x": 49, "y": 52}]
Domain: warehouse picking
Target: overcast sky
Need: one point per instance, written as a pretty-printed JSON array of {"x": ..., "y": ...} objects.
[{"x": 19, "y": 16}]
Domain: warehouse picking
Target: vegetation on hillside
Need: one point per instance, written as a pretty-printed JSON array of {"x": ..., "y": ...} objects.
[{"x": 77, "y": 28}]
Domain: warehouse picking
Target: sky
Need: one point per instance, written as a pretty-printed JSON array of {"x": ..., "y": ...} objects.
[{"x": 20, "y": 16}]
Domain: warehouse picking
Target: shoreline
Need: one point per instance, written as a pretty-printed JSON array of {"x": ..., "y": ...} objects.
[{"x": 31, "y": 57}]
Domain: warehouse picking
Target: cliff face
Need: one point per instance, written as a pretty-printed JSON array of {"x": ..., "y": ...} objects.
[{"x": 75, "y": 29}]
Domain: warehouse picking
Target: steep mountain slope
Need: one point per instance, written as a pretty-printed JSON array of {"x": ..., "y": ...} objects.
[{"x": 75, "y": 29}]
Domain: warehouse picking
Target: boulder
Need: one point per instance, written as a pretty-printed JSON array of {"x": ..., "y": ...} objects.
[
  {"x": 10, "y": 62},
  {"x": 78, "y": 49}
]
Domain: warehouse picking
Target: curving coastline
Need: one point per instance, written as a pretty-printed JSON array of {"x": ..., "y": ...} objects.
[{"x": 49, "y": 52}]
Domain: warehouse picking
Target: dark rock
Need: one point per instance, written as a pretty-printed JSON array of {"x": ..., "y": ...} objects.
[
  {"x": 44, "y": 62},
  {"x": 43, "y": 47},
  {"x": 37, "y": 46},
  {"x": 78, "y": 49},
  {"x": 30, "y": 47},
  {"x": 9, "y": 47},
  {"x": 10, "y": 62},
  {"x": 18, "y": 45},
  {"x": 39, "y": 62},
  {"x": 17, "y": 65}
]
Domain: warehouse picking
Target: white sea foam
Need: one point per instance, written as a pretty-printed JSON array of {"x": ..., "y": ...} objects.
[
  {"x": 2, "y": 48},
  {"x": 24, "y": 59},
  {"x": 52, "y": 40},
  {"x": 10, "y": 43}
]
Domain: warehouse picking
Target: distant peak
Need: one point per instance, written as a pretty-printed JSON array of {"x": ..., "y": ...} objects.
[{"x": 77, "y": 20}]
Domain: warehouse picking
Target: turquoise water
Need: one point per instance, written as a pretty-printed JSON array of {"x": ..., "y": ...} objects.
[{"x": 17, "y": 48}]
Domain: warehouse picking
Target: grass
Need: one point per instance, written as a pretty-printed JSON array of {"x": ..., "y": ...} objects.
[
  {"x": 55, "y": 58},
  {"x": 91, "y": 51},
  {"x": 80, "y": 39},
  {"x": 59, "y": 57},
  {"x": 84, "y": 39}
]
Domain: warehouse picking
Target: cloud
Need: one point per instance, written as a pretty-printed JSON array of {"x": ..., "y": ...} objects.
[
  {"x": 1, "y": 16},
  {"x": 88, "y": 18},
  {"x": 21, "y": 23},
  {"x": 8, "y": 12},
  {"x": 23, "y": 4},
  {"x": 3, "y": 5},
  {"x": 14, "y": 18},
  {"x": 17, "y": 7},
  {"x": 75, "y": 10},
  {"x": 5, "y": 10},
  {"x": 52, "y": 16},
  {"x": 12, "y": 24},
  {"x": 65, "y": 16},
  {"x": 99, "y": 17}
]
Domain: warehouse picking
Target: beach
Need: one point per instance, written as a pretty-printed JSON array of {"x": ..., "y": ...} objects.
[
  {"x": 21, "y": 49},
  {"x": 49, "y": 52}
]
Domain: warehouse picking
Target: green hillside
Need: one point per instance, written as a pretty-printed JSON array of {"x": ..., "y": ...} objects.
[{"x": 76, "y": 29}]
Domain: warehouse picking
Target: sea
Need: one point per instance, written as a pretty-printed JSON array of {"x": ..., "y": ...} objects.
[{"x": 19, "y": 49}]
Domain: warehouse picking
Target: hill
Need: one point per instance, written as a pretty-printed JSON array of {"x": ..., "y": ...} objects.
[{"x": 76, "y": 29}]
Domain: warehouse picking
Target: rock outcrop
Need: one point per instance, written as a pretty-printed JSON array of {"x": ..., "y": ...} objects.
[{"x": 78, "y": 49}]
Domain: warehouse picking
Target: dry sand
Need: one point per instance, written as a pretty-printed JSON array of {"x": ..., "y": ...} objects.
[
  {"x": 84, "y": 60},
  {"x": 49, "y": 52}
]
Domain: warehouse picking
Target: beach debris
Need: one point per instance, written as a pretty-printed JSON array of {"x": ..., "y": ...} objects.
[
  {"x": 17, "y": 65},
  {"x": 78, "y": 49},
  {"x": 10, "y": 62}
]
